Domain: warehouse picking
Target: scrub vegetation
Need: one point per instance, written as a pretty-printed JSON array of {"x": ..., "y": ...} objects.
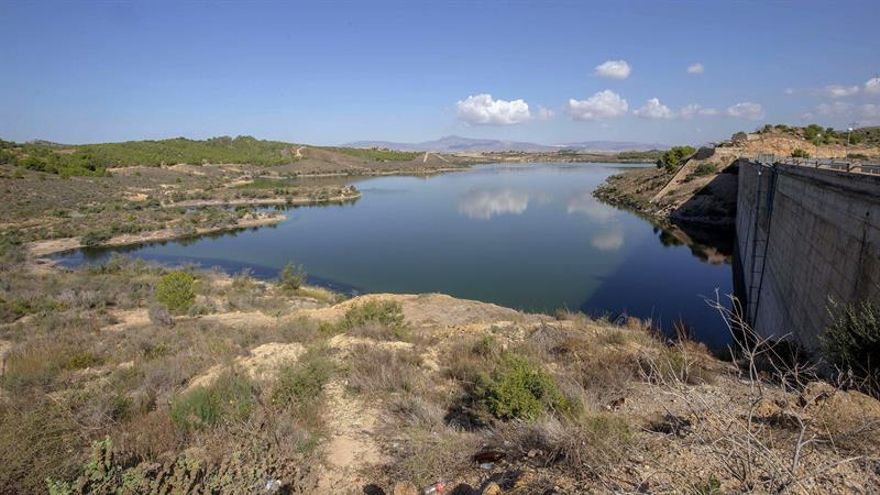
[{"x": 136, "y": 378}]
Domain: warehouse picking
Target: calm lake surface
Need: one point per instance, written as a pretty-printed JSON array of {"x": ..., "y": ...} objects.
[{"x": 526, "y": 236}]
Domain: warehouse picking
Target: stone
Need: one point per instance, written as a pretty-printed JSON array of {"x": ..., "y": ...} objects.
[{"x": 492, "y": 489}]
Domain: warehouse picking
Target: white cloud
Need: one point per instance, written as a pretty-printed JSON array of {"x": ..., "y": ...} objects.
[
  {"x": 602, "y": 105},
  {"x": 837, "y": 91},
  {"x": 483, "y": 204},
  {"x": 746, "y": 110},
  {"x": 613, "y": 69},
  {"x": 653, "y": 109},
  {"x": 873, "y": 86},
  {"x": 545, "y": 113},
  {"x": 789, "y": 91},
  {"x": 837, "y": 108},
  {"x": 481, "y": 109},
  {"x": 693, "y": 109},
  {"x": 689, "y": 111},
  {"x": 696, "y": 68}
]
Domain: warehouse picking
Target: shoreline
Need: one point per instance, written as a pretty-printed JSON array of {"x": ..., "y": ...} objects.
[
  {"x": 200, "y": 203},
  {"x": 42, "y": 249}
]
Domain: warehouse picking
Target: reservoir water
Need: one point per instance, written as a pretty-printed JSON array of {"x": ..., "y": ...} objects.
[{"x": 525, "y": 236}]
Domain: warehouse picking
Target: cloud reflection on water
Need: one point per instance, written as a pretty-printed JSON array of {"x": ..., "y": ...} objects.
[
  {"x": 483, "y": 204},
  {"x": 608, "y": 241},
  {"x": 583, "y": 203}
]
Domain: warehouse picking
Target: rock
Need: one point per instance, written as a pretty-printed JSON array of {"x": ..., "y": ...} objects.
[
  {"x": 488, "y": 456},
  {"x": 617, "y": 403},
  {"x": 492, "y": 489},
  {"x": 405, "y": 488},
  {"x": 767, "y": 410},
  {"x": 816, "y": 392}
]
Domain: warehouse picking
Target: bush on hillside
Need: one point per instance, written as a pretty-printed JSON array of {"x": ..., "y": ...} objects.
[
  {"x": 671, "y": 159},
  {"x": 519, "y": 389},
  {"x": 230, "y": 398},
  {"x": 388, "y": 313},
  {"x": 301, "y": 383},
  {"x": 292, "y": 277},
  {"x": 799, "y": 153},
  {"x": 852, "y": 340},
  {"x": 176, "y": 290}
]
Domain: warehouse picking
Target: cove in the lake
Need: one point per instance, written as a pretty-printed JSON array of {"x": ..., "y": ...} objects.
[{"x": 530, "y": 237}]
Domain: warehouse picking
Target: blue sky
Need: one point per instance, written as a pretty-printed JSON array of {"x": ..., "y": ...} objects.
[{"x": 337, "y": 71}]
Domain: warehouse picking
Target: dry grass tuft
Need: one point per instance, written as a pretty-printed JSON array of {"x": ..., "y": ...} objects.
[{"x": 379, "y": 370}]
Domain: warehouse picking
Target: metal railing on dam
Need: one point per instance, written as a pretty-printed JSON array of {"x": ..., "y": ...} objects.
[
  {"x": 850, "y": 166},
  {"x": 806, "y": 236}
]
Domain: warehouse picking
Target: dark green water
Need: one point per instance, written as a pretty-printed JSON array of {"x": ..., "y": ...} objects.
[{"x": 530, "y": 237}]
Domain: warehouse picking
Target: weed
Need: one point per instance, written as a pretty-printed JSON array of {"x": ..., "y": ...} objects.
[
  {"x": 160, "y": 316},
  {"x": 292, "y": 277},
  {"x": 301, "y": 383},
  {"x": 230, "y": 398},
  {"x": 376, "y": 370}
]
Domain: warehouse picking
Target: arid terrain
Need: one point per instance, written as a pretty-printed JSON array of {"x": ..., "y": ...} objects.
[{"x": 259, "y": 386}]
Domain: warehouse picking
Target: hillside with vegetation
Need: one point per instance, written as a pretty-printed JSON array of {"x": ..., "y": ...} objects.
[
  {"x": 95, "y": 159},
  {"x": 101, "y": 159},
  {"x": 136, "y": 378}
]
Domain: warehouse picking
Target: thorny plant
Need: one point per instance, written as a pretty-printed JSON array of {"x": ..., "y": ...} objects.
[{"x": 748, "y": 444}]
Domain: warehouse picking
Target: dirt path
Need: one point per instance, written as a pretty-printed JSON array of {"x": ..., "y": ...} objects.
[
  {"x": 351, "y": 447},
  {"x": 298, "y": 152}
]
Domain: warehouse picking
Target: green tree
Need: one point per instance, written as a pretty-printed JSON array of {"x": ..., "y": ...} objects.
[{"x": 671, "y": 159}]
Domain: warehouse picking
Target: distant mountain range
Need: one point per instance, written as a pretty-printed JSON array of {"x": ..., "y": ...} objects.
[{"x": 458, "y": 144}]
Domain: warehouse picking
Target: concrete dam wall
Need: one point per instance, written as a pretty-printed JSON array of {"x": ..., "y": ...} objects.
[{"x": 804, "y": 235}]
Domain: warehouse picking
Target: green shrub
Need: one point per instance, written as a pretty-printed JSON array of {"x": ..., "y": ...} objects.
[
  {"x": 852, "y": 340},
  {"x": 799, "y": 153},
  {"x": 704, "y": 169},
  {"x": 300, "y": 384},
  {"x": 519, "y": 389},
  {"x": 230, "y": 398},
  {"x": 176, "y": 291},
  {"x": 94, "y": 238},
  {"x": 670, "y": 160},
  {"x": 292, "y": 277},
  {"x": 388, "y": 313}
]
